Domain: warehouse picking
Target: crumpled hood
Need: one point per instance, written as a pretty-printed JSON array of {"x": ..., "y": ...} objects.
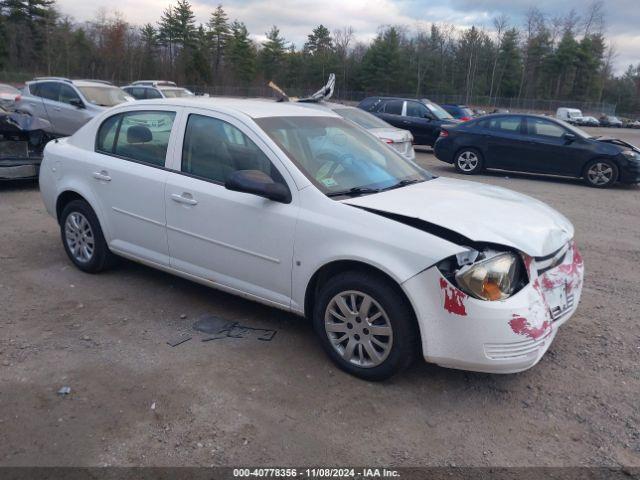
[{"x": 482, "y": 213}]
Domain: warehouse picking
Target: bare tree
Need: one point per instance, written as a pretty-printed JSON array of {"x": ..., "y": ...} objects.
[
  {"x": 500, "y": 23},
  {"x": 342, "y": 39},
  {"x": 594, "y": 19}
]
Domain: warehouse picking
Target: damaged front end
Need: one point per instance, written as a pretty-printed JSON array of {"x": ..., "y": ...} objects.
[
  {"x": 495, "y": 309},
  {"x": 22, "y": 141}
]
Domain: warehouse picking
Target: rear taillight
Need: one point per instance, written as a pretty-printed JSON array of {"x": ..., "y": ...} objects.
[
  {"x": 386, "y": 140},
  {"x": 444, "y": 133},
  {"x": 465, "y": 119},
  {"x": 18, "y": 98}
]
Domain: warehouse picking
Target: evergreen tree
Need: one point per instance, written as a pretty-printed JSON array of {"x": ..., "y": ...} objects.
[
  {"x": 382, "y": 64},
  {"x": 241, "y": 54},
  {"x": 218, "y": 36},
  {"x": 272, "y": 56}
]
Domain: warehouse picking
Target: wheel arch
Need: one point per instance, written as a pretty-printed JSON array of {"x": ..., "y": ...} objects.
[
  {"x": 597, "y": 157},
  {"x": 70, "y": 194},
  {"x": 336, "y": 267}
]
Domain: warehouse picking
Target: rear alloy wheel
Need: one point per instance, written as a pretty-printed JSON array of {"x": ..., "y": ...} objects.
[
  {"x": 365, "y": 325},
  {"x": 82, "y": 237},
  {"x": 601, "y": 174},
  {"x": 468, "y": 161}
]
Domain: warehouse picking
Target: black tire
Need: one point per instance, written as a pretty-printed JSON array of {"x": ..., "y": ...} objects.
[
  {"x": 101, "y": 257},
  {"x": 468, "y": 161},
  {"x": 397, "y": 313},
  {"x": 607, "y": 176}
]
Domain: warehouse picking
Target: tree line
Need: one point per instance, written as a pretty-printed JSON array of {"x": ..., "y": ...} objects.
[{"x": 547, "y": 57}]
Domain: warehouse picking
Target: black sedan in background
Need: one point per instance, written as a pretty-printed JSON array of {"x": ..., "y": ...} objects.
[
  {"x": 422, "y": 118},
  {"x": 535, "y": 144}
]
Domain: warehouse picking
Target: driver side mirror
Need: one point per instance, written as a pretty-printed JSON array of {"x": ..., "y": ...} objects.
[
  {"x": 569, "y": 137},
  {"x": 76, "y": 102},
  {"x": 256, "y": 182}
]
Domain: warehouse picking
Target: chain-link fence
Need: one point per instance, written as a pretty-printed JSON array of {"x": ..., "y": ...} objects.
[{"x": 483, "y": 102}]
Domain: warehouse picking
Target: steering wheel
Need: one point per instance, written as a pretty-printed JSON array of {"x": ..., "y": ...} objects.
[{"x": 335, "y": 160}]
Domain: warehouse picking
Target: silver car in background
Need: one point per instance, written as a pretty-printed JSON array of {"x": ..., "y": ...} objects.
[
  {"x": 398, "y": 139},
  {"x": 68, "y": 104}
]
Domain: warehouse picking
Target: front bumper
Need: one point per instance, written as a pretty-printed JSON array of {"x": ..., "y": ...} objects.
[
  {"x": 629, "y": 172},
  {"x": 508, "y": 336}
]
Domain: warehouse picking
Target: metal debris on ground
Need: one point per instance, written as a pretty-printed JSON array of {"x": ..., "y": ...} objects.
[
  {"x": 180, "y": 339},
  {"x": 64, "y": 391},
  {"x": 218, "y": 328}
]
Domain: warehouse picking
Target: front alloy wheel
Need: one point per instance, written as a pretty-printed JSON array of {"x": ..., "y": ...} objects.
[
  {"x": 358, "y": 329},
  {"x": 601, "y": 174},
  {"x": 365, "y": 324}
]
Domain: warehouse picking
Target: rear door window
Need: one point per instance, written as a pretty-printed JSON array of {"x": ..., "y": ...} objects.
[
  {"x": 394, "y": 107},
  {"x": 509, "y": 124},
  {"x": 49, "y": 90},
  {"x": 141, "y": 136}
]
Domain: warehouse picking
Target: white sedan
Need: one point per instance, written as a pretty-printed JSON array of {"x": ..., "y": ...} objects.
[{"x": 302, "y": 210}]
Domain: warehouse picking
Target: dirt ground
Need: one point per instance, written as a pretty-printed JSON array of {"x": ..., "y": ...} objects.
[{"x": 250, "y": 402}]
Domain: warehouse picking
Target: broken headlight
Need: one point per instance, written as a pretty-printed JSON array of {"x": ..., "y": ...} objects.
[
  {"x": 488, "y": 275},
  {"x": 495, "y": 278}
]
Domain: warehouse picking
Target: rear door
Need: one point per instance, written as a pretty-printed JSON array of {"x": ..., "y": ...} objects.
[
  {"x": 506, "y": 143},
  {"x": 128, "y": 174},
  {"x": 391, "y": 112},
  {"x": 43, "y": 99}
]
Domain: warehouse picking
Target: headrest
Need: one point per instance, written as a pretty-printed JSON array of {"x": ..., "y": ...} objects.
[{"x": 138, "y": 134}]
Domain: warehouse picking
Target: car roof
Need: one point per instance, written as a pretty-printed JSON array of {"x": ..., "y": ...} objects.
[{"x": 254, "y": 108}]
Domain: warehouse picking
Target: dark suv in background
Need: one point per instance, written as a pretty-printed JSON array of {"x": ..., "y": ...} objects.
[{"x": 422, "y": 118}]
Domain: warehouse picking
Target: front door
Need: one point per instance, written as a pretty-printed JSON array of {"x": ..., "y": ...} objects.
[
  {"x": 240, "y": 241},
  {"x": 549, "y": 151}
]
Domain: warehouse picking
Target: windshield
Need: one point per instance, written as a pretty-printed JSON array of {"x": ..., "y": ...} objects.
[
  {"x": 439, "y": 112},
  {"x": 338, "y": 157},
  {"x": 176, "y": 92},
  {"x": 362, "y": 118},
  {"x": 104, "y": 96}
]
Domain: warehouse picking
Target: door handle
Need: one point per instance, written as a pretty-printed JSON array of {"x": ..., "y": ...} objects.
[
  {"x": 103, "y": 175},
  {"x": 185, "y": 198},
  {"x": 57, "y": 109}
]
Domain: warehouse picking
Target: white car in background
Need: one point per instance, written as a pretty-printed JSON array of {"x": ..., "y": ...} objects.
[
  {"x": 300, "y": 209},
  {"x": 570, "y": 115},
  {"x": 152, "y": 89},
  {"x": 398, "y": 139}
]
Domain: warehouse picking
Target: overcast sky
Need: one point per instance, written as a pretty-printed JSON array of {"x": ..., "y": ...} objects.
[{"x": 296, "y": 18}]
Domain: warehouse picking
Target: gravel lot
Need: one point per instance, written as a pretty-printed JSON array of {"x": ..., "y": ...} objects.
[{"x": 250, "y": 402}]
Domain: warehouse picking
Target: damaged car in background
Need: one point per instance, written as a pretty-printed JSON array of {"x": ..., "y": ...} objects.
[
  {"x": 323, "y": 220},
  {"x": 22, "y": 139}
]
